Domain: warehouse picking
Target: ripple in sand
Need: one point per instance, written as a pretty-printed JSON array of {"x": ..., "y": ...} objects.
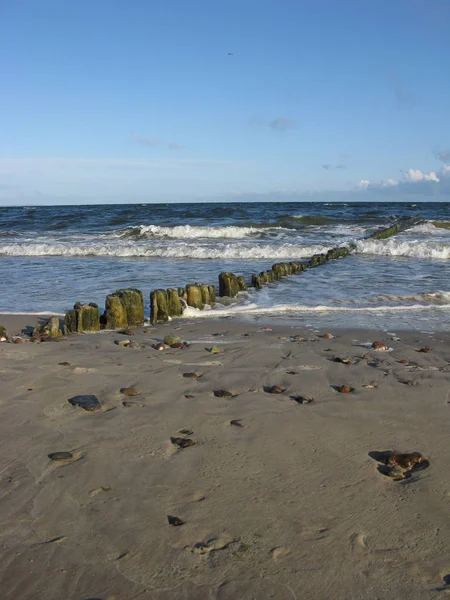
[{"x": 57, "y": 456}]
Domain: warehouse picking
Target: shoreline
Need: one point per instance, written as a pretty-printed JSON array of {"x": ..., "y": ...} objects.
[{"x": 278, "y": 495}]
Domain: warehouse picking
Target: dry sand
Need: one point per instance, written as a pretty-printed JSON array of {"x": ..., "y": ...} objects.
[{"x": 287, "y": 506}]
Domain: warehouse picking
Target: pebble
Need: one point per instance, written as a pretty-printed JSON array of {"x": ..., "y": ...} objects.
[
  {"x": 328, "y": 336},
  {"x": 236, "y": 422},
  {"x": 17, "y": 340},
  {"x": 122, "y": 343},
  {"x": 190, "y": 375},
  {"x": 425, "y": 349},
  {"x": 130, "y": 391},
  {"x": 160, "y": 346},
  {"x": 379, "y": 346},
  {"x": 182, "y": 442},
  {"x": 222, "y": 394},
  {"x": 87, "y": 401},
  {"x": 189, "y": 396},
  {"x": 186, "y": 431},
  {"x": 60, "y": 455},
  {"x": 404, "y": 362},
  {"x": 303, "y": 399},
  {"x": 213, "y": 350},
  {"x": 174, "y": 521},
  {"x": 345, "y": 389},
  {"x": 275, "y": 389},
  {"x": 171, "y": 339}
]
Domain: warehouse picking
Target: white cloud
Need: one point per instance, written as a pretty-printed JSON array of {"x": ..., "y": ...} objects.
[
  {"x": 389, "y": 183},
  {"x": 414, "y": 176},
  {"x": 363, "y": 184}
]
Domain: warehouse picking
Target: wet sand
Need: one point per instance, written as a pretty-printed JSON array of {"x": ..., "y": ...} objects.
[{"x": 283, "y": 503}]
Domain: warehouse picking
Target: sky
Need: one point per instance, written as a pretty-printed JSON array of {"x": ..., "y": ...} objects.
[{"x": 177, "y": 100}]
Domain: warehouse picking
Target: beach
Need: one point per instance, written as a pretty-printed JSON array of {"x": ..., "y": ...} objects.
[{"x": 275, "y": 496}]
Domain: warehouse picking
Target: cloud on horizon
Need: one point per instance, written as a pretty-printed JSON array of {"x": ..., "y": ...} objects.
[
  {"x": 413, "y": 181},
  {"x": 282, "y": 124},
  {"x": 153, "y": 142},
  {"x": 331, "y": 167}
]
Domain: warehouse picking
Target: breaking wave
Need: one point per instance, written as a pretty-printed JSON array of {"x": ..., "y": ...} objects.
[
  {"x": 401, "y": 247},
  {"x": 191, "y": 232},
  {"x": 180, "y": 250}
]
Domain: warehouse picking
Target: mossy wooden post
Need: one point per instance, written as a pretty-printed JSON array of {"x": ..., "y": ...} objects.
[
  {"x": 194, "y": 296},
  {"x": 212, "y": 293},
  {"x": 133, "y": 300},
  {"x": 70, "y": 322},
  {"x": 83, "y": 317},
  {"x": 256, "y": 281},
  {"x": 159, "y": 310},
  {"x": 264, "y": 277},
  {"x": 206, "y": 298},
  {"x": 3, "y": 332},
  {"x": 228, "y": 285},
  {"x": 115, "y": 316},
  {"x": 182, "y": 293},
  {"x": 279, "y": 271},
  {"x": 88, "y": 318},
  {"x": 175, "y": 308},
  {"x": 242, "y": 283}
]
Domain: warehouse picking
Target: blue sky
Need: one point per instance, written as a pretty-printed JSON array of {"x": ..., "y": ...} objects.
[{"x": 140, "y": 101}]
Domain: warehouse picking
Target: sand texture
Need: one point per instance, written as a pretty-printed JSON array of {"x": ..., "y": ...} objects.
[{"x": 276, "y": 496}]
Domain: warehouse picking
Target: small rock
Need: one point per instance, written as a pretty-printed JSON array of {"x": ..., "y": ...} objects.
[
  {"x": 87, "y": 401},
  {"x": 190, "y": 375},
  {"x": 404, "y": 362},
  {"x": 236, "y": 422},
  {"x": 274, "y": 389},
  {"x": 189, "y": 396},
  {"x": 406, "y": 461},
  {"x": 344, "y": 361},
  {"x": 171, "y": 339},
  {"x": 174, "y": 521},
  {"x": 178, "y": 346},
  {"x": 379, "y": 346},
  {"x": 425, "y": 349},
  {"x": 60, "y": 456},
  {"x": 128, "y": 404},
  {"x": 328, "y": 336},
  {"x": 64, "y": 364},
  {"x": 222, "y": 394},
  {"x": 345, "y": 389},
  {"x": 130, "y": 391},
  {"x": 213, "y": 350},
  {"x": 186, "y": 431},
  {"x": 17, "y": 340},
  {"x": 161, "y": 346},
  {"x": 303, "y": 399},
  {"x": 135, "y": 346},
  {"x": 123, "y": 343},
  {"x": 182, "y": 442}
]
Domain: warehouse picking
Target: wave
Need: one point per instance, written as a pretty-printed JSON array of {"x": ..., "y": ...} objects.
[
  {"x": 191, "y": 232},
  {"x": 182, "y": 251},
  {"x": 430, "y": 297},
  {"x": 404, "y": 248},
  {"x": 254, "y": 309}
]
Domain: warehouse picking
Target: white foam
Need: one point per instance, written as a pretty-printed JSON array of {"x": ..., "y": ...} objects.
[
  {"x": 401, "y": 247},
  {"x": 195, "y": 232},
  {"x": 254, "y": 309},
  {"x": 182, "y": 250}
]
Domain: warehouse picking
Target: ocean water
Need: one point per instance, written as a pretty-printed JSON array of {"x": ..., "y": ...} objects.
[{"x": 51, "y": 257}]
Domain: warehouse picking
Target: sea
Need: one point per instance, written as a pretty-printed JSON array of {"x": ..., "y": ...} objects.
[{"x": 54, "y": 256}]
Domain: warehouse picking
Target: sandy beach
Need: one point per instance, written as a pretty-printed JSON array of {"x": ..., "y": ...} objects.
[{"x": 276, "y": 496}]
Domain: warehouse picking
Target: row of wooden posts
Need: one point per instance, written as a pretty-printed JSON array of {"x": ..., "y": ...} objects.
[{"x": 125, "y": 308}]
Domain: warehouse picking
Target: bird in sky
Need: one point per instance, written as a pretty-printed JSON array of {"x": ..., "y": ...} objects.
[{"x": 230, "y": 54}]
